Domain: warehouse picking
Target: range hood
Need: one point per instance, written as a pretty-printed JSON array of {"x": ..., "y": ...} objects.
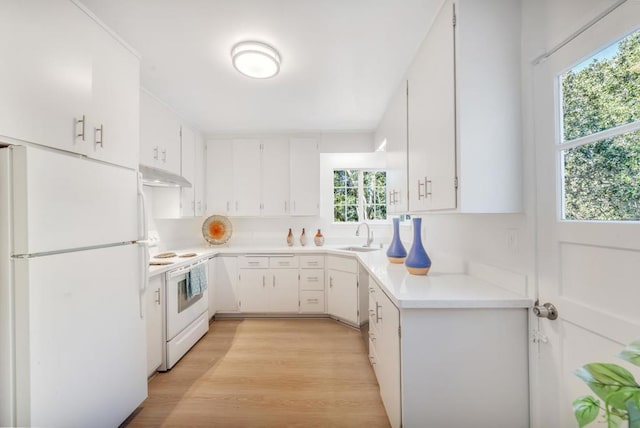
[{"x": 160, "y": 178}]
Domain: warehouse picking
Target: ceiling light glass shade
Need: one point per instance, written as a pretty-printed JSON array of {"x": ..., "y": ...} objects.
[{"x": 255, "y": 59}]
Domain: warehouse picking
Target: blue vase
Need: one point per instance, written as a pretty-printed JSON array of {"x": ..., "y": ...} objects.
[
  {"x": 396, "y": 252},
  {"x": 417, "y": 262}
]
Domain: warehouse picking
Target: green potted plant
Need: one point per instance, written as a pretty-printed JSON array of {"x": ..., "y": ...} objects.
[{"x": 616, "y": 386}]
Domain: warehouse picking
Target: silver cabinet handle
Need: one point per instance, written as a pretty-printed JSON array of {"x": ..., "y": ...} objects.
[
  {"x": 372, "y": 336},
  {"x": 428, "y": 185},
  {"x": 157, "y": 296},
  {"x": 421, "y": 195},
  {"x": 199, "y": 206},
  {"x": 263, "y": 281},
  {"x": 274, "y": 282},
  {"x": 155, "y": 152},
  {"x": 372, "y": 361},
  {"x": 330, "y": 282},
  {"x": 164, "y": 155},
  {"x": 227, "y": 206},
  {"x": 378, "y": 316},
  {"x": 101, "y": 131},
  {"x": 312, "y": 279},
  {"x": 312, "y": 300},
  {"x": 285, "y": 206},
  {"x": 82, "y": 123}
]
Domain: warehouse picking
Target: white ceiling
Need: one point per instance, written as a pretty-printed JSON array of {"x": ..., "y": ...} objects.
[{"x": 341, "y": 59}]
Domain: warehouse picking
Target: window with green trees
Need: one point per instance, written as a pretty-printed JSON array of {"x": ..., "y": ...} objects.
[
  {"x": 359, "y": 195},
  {"x": 600, "y": 147}
]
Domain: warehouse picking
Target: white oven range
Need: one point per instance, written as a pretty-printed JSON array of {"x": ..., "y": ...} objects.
[{"x": 185, "y": 319}]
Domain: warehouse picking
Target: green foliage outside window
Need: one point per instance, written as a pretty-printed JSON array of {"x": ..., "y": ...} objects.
[
  {"x": 359, "y": 195},
  {"x": 602, "y": 177}
]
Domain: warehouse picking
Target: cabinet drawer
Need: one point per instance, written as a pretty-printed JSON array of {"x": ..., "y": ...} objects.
[
  {"x": 345, "y": 264},
  {"x": 253, "y": 262},
  {"x": 312, "y": 301},
  {"x": 312, "y": 279},
  {"x": 283, "y": 262},
  {"x": 311, "y": 262}
]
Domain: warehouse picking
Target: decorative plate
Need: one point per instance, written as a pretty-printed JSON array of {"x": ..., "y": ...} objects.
[{"x": 217, "y": 229}]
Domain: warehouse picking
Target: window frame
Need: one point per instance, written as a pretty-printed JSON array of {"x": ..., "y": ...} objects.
[
  {"x": 361, "y": 206},
  {"x": 563, "y": 145}
]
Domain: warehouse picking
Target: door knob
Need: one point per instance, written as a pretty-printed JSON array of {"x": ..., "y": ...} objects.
[{"x": 545, "y": 311}]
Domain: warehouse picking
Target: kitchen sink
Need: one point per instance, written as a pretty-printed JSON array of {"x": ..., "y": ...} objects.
[{"x": 359, "y": 249}]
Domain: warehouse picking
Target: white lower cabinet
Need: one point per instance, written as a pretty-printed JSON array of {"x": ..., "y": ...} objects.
[
  {"x": 312, "y": 291},
  {"x": 211, "y": 267},
  {"x": 268, "y": 284},
  {"x": 225, "y": 284},
  {"x": 384, "y": 350},
  {"x": 153, "y": 319},
  {"x": 449, "y": 367},
  {"x": 342, "y": 288}
]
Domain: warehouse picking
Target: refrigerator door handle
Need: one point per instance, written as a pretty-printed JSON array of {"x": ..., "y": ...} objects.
[
  {"x": 144, "y": 277},
  {"x": 144, "y": 235}
]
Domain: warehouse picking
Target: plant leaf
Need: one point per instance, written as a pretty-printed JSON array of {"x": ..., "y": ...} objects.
[
  {"x": 631, "y": 353},
  {"x": 586, "y": 409},
  {"x": 618, "y": 400},
  {"x": 605, "y": 378},
  {"x": 613, "y": 421}
]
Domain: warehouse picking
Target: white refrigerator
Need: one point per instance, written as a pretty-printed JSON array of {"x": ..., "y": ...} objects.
[{"x": 73, "y": 271}]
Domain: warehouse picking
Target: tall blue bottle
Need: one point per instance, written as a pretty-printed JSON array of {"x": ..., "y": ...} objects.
[
  {"x": 396, "y": 252},
  {"x": 417, "y": 262}
]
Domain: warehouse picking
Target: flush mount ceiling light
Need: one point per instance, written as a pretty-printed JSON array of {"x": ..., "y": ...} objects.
[{"x": 255, "y": 59}]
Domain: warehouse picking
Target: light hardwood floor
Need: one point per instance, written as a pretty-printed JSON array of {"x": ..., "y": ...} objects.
[{"x": 268, "y": 373}]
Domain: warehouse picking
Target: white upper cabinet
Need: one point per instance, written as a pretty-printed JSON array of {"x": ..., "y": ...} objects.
[
  {"x": 188, "y": 170},
  {"x": 114, "y": 121},
  {"x": 269, "y": 177},
  {"x": 464, "y": 111},
  {"x": 393, "y": 131},
  {"x": 275, "y": 177},
  {"x": 304, "y": 169},
  {"x": 65, "y": 77},
  {"x": 246, "y": 177},
  {"x": 219, "y": 177},
  {"x": 159, "y": 135},
  {"x": 200, "y": 179},
  {"x": 488, "y": 105},
  {"x": 431, "y": 124}
]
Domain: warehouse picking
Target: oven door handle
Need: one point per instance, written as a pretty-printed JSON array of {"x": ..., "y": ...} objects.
[{"x": 178, "y": 272}]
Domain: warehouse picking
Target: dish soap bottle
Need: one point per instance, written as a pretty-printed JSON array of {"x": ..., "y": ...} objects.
[
  {"x": 290, "y": 238},
  {"x": 303, "y": 238},
  {"x": 318, "y": 239}
]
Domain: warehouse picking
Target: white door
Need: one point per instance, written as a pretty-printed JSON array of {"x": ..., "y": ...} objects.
[
  {"x": 46, "y": 79},
  {"x": 188, "y": 170},
  {"x": 64, "y": 202},
  {"x": 246, "y": 177},
  {"x": 275, "y": 177},
  {"x": 153, "y": 319},
  {"x": 80, "y": 337},
  {"x": 304, "y": 166},
  {"x": 219, "y": 171},
  {"x": 343, "y": 295},
  {"x": 284, "y": 290},
  {"x": 588, "y": 270},
  {"x": 254, "y": 290},
  {"x": 114, "y": 122}
]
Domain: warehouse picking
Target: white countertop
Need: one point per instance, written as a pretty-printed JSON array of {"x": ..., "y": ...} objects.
[{"x": 406, "y": 291}]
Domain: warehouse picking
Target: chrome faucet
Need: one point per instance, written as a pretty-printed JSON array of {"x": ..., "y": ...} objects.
[{"x": 369, "y": 234}]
